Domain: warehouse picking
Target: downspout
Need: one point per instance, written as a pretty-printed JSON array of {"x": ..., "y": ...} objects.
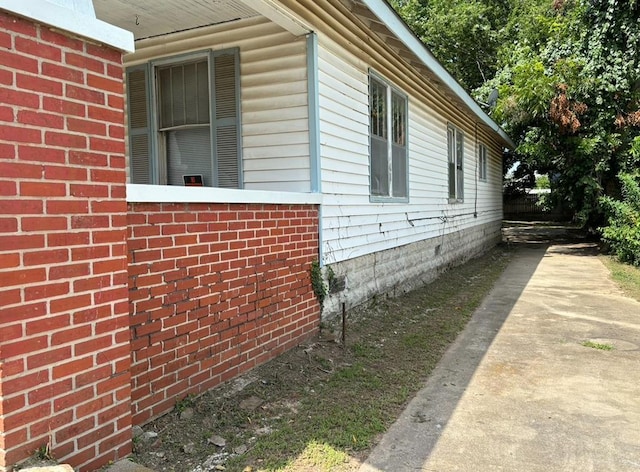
[{"x": 313, "y": 95}]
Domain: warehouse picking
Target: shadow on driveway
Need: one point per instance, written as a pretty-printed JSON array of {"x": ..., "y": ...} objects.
[{"x": 518, "y": 390}]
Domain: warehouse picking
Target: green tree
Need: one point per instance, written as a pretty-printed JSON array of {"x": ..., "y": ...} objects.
[
  {"x": 568, "y": 76},
  {"x": 623, "y": 231},
  {"x": 464, "y": 35},
  {"x": 569, "y": 98},
  {"x": 542, "y": 181}
]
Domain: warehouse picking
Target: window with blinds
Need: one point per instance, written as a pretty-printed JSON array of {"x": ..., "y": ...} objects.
[
  {"x": 387, "y": 141},
  {"x": 190, "y": 126}
]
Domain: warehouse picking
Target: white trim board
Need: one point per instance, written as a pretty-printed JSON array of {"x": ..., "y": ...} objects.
[
  {"x": 138, "y": 193},
  {"x": 389, "y": 17},
  {"x": 74, "y": 21}
]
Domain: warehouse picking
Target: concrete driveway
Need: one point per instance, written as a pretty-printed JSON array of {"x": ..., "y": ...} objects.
[{"x": 519, "y": 390}]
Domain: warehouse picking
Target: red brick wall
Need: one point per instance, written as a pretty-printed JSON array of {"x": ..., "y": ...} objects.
[
  {"x": 214, "y": 290},
  {"x": 64, "y": 322}
]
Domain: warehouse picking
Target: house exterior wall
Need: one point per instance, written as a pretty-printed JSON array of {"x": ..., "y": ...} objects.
[
  {"x": 273, "y": 88},
  {"x": 64, "y": 320},
  {"x": 378, "y": 246},
  {"x": 277, "y": 144},
  {"x": 218, "y": 288},
  {"x": 355, "y": 226},
  {"x": 401, "y": 269},
  {"x": 214, "y": 290}
]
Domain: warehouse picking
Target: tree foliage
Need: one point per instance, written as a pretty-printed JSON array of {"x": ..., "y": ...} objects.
[
  {"x": 623, "y": 217},
  {"x": 568, "y": 76},
  {"x": 571, "y": 100},
  {"x": 462, "y": 34}
]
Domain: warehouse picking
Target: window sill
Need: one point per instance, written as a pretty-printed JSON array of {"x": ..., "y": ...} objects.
[
  {"x": 137, "y": 193},
  {"x": 377, "y": 199},
  {"x": 453, "y": 201}
]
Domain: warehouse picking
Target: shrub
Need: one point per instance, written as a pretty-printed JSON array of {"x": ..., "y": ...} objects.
[{"x": 623, "y": 232}]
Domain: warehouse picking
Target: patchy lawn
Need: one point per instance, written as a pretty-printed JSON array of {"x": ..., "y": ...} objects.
[
  {"x": 625, "y": 275},
  {"x": 322, "y": 406}
]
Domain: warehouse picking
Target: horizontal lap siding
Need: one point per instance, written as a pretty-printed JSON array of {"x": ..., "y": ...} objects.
[
  {"x": 490, "y": 192},
  {"x": 214, "y": 290},
  {"x": 275, "y": 115},
  {"x": 352, "y": 225},
  {"x": 273, "y": 88}
]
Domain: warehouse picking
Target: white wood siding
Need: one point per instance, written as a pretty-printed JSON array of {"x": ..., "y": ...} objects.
[
  {"x": 273, "y": 88},
  {"x": 353, "y": 225}
]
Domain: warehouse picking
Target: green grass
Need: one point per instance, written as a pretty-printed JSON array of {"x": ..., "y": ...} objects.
[
  {"x": 391, "y": 349},
  {"x": 323, "y": 406},
  {"x": 318, "y": 456},
  {"x": 600, "y": 346},
  {"x": 626, "y": 276}
]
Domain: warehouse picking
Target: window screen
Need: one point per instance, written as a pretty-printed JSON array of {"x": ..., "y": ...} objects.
[
  {"x": 388, "y": 140},
  {"x": 399, "y": 144},
  {"x": 379, "y": 139},
  {"x": 193, "y": 130},
  {"x": 455, "y": 160},
  {"x": 482, "y": 162},
  {"x": 184, "y": 94}
]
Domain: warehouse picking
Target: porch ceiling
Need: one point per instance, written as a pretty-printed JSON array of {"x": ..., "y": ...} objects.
[{"x": 148, "y": 18}]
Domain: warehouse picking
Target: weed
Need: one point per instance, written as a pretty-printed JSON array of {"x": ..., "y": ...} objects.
[
  {"x": 317, "y": 282},
  {"x": 343, "y": 398},
  {"x": 136, "y": 443},
  {"x": 326, "y": 364},
  {"x": 186, "y": 402},
  {"x": 43, "y": 453},
  {"x": 594, "y": 345}
]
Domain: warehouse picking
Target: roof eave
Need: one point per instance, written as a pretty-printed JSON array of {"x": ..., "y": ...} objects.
[{"x": 387, "y": 15}]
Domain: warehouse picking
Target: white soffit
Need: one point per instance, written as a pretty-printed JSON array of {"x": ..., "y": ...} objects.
[
  {"x": 388, "y": 16},
  {"x": 150, "y": 18},
  {"x": 272, "y": 11},
  {"x": 73, "y": 16}
]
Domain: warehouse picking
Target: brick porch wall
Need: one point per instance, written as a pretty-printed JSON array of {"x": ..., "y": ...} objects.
[
  {"x": 214, "y": 290},
  {"x": 64, "y": 321}
]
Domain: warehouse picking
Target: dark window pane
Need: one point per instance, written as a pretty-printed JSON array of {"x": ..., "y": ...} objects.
[
  {"x": 184, "y": 94},
  {"x": 399, "y": 120},
  {"x": 399, "y": 167},
  {"x": 379, "y": 167},
  {"x": 451, "y": 157},
  {"x": 378, "y": 109}
]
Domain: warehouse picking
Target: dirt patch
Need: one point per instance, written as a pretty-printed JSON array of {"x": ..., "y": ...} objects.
[
  {"x": 322, "y": 406},
  {"x": 240, "y": 412}
]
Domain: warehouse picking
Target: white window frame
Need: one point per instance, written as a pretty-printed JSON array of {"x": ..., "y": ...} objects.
[
  {"x": 157, "y": 152},
  {"x": 483, "y": 157},
  {"x": 396, "y": 140},
  {"x": 455, "y": 164}
]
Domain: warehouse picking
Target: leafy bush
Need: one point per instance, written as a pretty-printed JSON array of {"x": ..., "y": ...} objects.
[{"x": 623, "y": 233}]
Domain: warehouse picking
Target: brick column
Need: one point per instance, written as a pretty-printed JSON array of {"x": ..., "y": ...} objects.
[{"x": 64, "y": 323}]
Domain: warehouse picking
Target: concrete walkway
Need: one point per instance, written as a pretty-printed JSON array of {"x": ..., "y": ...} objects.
[{"x": 518, "y": 391}]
